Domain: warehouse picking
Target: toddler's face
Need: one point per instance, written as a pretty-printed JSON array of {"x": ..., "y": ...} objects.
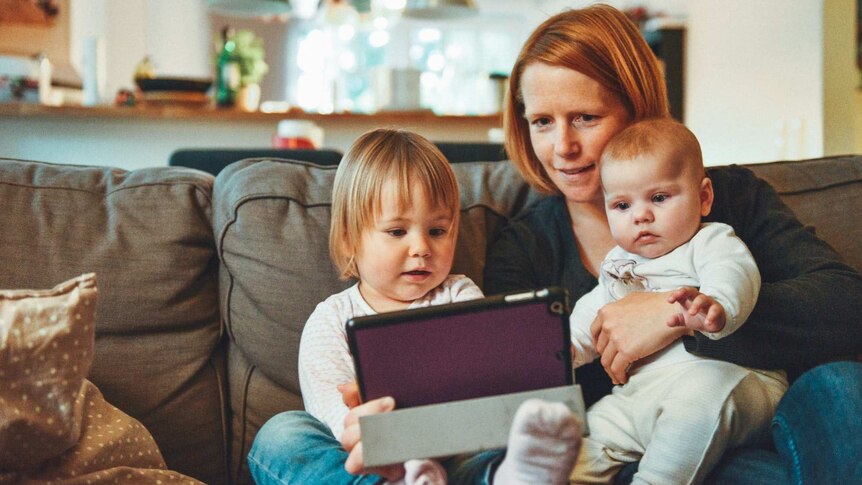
[
  {"x": 652, "y": 206},
  {"x": 407, "y": 253}
]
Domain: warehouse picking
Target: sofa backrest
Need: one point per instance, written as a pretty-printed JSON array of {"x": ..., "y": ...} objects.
[
  {"x": 272, "y": 225},
  {"x": 826, "y": 195},
  {"x": 147, "y": 235},
  {"x": 172, "y": 251}
]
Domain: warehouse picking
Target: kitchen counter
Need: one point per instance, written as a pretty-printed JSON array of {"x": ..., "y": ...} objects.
[{"x": 135, "y": 137}]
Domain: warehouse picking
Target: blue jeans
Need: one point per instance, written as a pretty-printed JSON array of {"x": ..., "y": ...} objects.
[
  {"x": 816, "y": 430},
  {"x": 293, "y": 447},
  {"x": 818, "y": 425}
]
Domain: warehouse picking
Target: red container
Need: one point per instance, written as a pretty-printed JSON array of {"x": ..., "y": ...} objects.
[
  {"x": 297, "y": 134},
  {"x": 292, "y": 143}
]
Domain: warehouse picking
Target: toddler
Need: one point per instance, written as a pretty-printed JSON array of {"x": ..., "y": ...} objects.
[
  {"x": 678, "y": 412},
  {"x": 395, "y": 213}
]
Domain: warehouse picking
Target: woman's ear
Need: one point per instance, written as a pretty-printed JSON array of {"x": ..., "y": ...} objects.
[{"x": 706, "y": 196}]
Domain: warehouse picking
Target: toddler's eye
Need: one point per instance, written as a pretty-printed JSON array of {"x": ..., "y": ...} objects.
[
  {"x": 622, "y": 206},
  {"x": 659, "y": 198},
  {"x": 438, "y": 232},
  {"x": 396, "y": 232}
]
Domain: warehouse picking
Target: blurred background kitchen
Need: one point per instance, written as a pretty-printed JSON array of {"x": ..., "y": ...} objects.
[{"x": 128, "y": 83}]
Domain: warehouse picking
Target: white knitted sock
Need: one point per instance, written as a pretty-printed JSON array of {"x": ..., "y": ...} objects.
[
  {"x": 544, "y": 442},
  {"x": 424, "y": 472}
]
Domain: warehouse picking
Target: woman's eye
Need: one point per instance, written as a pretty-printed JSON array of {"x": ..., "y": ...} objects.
[
  {"x": 586, "y": 119},
  {"x": 396, "y": 232},
  {"x": 541, "y": 122},
  {"x": 659, "y": 198}
]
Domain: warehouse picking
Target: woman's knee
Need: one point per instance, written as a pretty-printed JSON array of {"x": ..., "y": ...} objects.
[
  {"x": 816, "y": 428},
  {"x": 835, "y": 382},
  {"x": 827, "y": 394}
]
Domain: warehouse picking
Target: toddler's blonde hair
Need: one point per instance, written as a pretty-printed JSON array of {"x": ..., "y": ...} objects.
[{"x": 375, "y": 158}]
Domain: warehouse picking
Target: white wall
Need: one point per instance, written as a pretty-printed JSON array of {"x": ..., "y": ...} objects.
[
  {"x": 173, "y": 33},
  {"x": 754, "y": 79},
  {"x": 760, "y": 85}
]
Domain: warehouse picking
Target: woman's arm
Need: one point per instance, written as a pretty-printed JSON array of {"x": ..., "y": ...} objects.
[
  {"x": 539, "y": 249},
  {"x": 808, "y": 309},
  {"x": 536, "y": 250},
  {"x": 508, "y": 263},
  {"x": 635, "y": 327}
]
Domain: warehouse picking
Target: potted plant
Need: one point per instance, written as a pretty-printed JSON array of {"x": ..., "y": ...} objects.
[{"x": 244, "y": 49}]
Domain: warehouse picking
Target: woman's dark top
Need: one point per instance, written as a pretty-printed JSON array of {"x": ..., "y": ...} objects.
[{"x": 807, "y": 312}]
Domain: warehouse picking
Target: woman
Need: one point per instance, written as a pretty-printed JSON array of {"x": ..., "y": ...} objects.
[{"x": 582, "y": 77}]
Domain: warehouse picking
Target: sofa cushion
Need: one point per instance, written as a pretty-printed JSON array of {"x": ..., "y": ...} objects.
[
  {"x": 824, "y": 193},
  {"x": 55, "y": 426},
  {"x": 148, "y": 235},
  {"x": 46, "y": 347},
  {"x": 272, "y": 225}
]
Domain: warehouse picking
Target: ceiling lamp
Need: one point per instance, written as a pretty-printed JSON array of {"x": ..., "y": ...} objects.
[
  {"x": 439, "y": 9},
  {"x": 250, "y": 8}
]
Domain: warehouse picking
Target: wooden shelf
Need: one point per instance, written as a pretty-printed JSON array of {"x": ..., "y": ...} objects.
[{"x": 214, "y": 114}]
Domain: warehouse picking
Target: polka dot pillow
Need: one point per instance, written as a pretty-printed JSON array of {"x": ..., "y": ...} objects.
[
  {"x": 55, "y": 425},
  {"x": 46, "y": 347}
]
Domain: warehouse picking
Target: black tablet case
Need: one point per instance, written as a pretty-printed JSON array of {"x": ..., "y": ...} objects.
[{"x": 496, "y": 345}]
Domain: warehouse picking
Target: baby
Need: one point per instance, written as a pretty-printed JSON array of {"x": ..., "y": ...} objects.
[{"x": 678, "y": 412}]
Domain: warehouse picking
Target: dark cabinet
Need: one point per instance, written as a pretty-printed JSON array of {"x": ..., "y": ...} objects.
[{"x": 668, "y": 44}]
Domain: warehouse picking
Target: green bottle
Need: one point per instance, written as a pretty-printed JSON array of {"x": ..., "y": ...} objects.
[{"x": 227, "y": 71}]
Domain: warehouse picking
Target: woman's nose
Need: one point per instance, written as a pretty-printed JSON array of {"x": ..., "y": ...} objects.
[{"x": 567, "y": 142}]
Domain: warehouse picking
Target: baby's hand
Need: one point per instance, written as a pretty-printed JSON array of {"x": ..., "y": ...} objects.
[{"x": 700, "y": 312}]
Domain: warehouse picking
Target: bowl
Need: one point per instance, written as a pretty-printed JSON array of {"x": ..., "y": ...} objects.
[{"x": 173, "y": 84}]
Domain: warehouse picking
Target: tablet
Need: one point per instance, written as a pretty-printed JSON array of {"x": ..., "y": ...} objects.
[{"x": 496, "y": 345}]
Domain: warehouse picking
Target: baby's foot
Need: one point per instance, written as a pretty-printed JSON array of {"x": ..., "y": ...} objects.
[
  {"x": 424, "y": 472},
  {"x": 543, "y": 445}
]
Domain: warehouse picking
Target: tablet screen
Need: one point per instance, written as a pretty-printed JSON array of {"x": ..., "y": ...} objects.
[{"x": 496, "y": 345}]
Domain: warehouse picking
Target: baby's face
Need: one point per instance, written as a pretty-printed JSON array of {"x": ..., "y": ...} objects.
[{"x": 653, "y": 206}]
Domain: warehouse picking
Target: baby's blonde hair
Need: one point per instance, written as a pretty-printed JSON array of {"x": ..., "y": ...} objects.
[
  {"x": 660, "y": 136},
  {"x": 375, "y": 158}
]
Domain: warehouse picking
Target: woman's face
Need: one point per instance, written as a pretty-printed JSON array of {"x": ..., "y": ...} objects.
[{"x": 571, "y": 118}]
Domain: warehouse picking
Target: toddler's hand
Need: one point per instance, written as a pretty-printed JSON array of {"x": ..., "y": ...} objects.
[
  {"x": 700, "y": 312},
  {"x": 350, "y": 394},
  {"x": 351, "y": 438}
]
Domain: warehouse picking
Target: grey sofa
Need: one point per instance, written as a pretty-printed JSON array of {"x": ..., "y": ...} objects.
[{"x": 205, "y": 283}]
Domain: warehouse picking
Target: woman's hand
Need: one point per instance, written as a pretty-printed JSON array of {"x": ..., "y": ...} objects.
[
  {"x": 351, "y": 439},
  {"x": 633, "y": 328}
]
